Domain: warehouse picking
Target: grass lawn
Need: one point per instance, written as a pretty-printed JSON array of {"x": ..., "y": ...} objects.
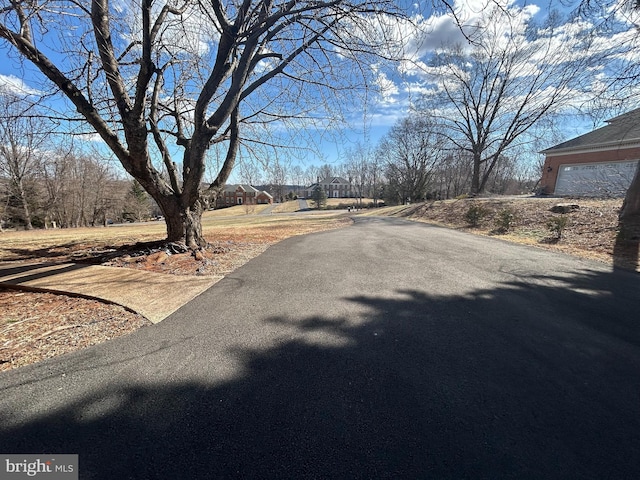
[
  {"x": 335, "y": 202},
  {"x": 229, "y": 224},
  {"x": 290, "y": 206},
  {"x": 238, "y": 210}
]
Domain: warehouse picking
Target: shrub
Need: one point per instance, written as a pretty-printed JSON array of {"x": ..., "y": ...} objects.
[
  {"x": 475, "y": 214},
  {"x": 505, "y": 219},
  {"x": 557, "y": 225}
]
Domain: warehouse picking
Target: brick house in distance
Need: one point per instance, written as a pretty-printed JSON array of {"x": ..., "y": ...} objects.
[
  {"x": 600, "y": 163},
  {"x": 242, "y": 195}
]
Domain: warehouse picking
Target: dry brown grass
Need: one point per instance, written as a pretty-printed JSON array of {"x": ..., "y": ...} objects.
[
  {"x": 290, "y": 206},
  {"x": 35, "y": 325},
  {"x": 590, "y": 233},
  {"x": 335, "y": 202},
  {"x": 218, "y": 226},
  {"x": 237, "y": 211}
]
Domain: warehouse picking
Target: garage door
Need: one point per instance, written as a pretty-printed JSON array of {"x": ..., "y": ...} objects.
[{"x": 605, "y": 179}]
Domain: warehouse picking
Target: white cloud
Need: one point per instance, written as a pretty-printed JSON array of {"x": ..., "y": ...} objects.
[
  {"x": 472, "y": 17},
  {"x": 506, "y": 22},
  {"x": 388, "y": 90},
  {"x": 192, "y": 32},
  {"x": 14, "y": 85},
  {"x": 92, "y": 137}
]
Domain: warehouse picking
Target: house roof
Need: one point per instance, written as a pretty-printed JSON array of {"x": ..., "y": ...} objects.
[
  {"x": 245, "y": 187},
  {"x": 333, "y": 180},
  {"x": 329, "y": 181},
  {"x": 622, "y": 129}
]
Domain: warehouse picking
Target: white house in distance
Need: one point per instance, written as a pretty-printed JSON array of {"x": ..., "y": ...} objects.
[
  {"x": 600, "y": 163},
  {"x": 334, "y": 187}
]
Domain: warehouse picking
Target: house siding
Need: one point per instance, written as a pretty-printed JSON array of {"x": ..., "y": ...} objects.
[
  {"x": 334, "y": 187},
  {"x": 599, "y": 152},
  {"x": 553, "y": 162},
  {"x": 242, "y": 195}
]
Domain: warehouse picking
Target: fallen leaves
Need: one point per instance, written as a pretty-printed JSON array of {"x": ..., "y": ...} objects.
[{"x": 36, "y": 325}]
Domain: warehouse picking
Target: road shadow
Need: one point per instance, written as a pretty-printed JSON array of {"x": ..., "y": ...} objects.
[
  {"x": 98, "y": 253},
  {"x": 16, "y": 268},
  {"x": 54, "y": 252},
  {"x": 29, "y": 272},
  {"x": 535, "y": 379}
]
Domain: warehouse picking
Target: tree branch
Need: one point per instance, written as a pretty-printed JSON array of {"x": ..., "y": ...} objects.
[{"x": 67, "y": 87}]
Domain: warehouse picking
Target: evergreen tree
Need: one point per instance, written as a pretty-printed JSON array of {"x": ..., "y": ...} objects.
[
  {"x": 319, "y": 197},
  {"x": 137, "y": 205}
]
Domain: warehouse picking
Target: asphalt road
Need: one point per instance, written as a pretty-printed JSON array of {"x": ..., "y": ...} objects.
[{"x": 387, "y": 349}]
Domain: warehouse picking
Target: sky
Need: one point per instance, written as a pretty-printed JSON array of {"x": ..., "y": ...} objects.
[{"x": 398, "y": 87}]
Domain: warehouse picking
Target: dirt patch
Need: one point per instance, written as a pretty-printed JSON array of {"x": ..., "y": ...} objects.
[{"x": 219, "y": 258}]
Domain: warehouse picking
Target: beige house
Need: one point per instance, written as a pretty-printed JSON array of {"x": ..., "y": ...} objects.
[{"x": 334, "y": 187}]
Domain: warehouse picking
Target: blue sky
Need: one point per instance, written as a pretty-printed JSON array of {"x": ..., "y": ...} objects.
[
  {"x": 400, "y": 86},
  {"x": 397, "y": 86}
]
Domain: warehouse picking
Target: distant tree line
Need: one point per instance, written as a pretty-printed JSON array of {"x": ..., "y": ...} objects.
[
  {"x": 45, "y": 184},
  {"x": 64, "y": 190},
  {"x": 412, "y": 163}
]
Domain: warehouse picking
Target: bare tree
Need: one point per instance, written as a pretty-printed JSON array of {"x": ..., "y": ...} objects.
[
  {"x": 311, "y": 175},
  {"x": 412, "y": 151},
  {"x": 453, "y": 176},
  {"x": 297, "y": 178},
  {"x": 492, "y": 91},
  {"x": 250, "y": 172},
  {"x": 55, "y": 171},
  {"x": 376, "y": 177},
  {"x": 163, "y": 77},
  {"x": 358, "y": 166},
  {"x": 4, "y": 203},
  {"x": 22, "y": 137},
  {"x": 326, "y": 171},
  {"x": 277, "y": 178},
  {"x": 79, "y": 190}
]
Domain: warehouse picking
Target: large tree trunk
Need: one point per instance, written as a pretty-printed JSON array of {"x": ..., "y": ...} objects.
[
  {"x": 487, "y": 173},
  {"x": 630, "y": 212},
  {"x": 627, "y": 247},
  {"x": 25, "y": 206},
  {"x": 193, "y": 227},
  {"x": 184, "y": 225},
  {"x": 475, "y": 177}
]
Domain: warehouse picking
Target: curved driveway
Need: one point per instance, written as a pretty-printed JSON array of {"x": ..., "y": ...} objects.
[{"x": 385, "y": 350}]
